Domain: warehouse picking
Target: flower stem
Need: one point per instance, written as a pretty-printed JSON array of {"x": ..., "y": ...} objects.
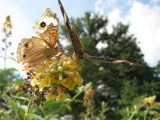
[{"x": 27, "y": 110}]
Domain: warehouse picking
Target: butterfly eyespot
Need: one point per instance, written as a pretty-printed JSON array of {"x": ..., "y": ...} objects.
[
  {"x": 28, "y": 45},
  {"x": 43, "y": 24},
  {"x": 24, "y": 56}
]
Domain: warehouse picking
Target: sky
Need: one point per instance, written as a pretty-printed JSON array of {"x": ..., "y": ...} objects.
[{"x": 143, "y": 17}]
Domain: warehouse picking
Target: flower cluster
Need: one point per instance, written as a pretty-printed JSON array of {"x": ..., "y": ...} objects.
[
  {"x": 150, "y": 100},
  {"x": 58, "y": 75}
]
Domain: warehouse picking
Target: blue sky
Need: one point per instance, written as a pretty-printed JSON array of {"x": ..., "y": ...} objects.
[
  {"x": 143, "y": 16},
  {"x": 33, "y": 9}
]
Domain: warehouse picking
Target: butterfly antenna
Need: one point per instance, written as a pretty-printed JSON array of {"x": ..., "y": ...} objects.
[
  {"x": 60, "y": 45},
  {"x": 93, "y": 62},
  {"x": 66, "y": 35}
]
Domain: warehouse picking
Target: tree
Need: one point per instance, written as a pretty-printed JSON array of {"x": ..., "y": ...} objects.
[{"x": 113, "y": 83}]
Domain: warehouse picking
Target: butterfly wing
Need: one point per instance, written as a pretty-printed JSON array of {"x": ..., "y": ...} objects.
[
  {"x": 112, "y": 60},
  {"x": 76, "y": 41},
  {"x": 78, "y": 46},
  {"x": 47, "y": 27},
  {"x": 32, "y": 51}
]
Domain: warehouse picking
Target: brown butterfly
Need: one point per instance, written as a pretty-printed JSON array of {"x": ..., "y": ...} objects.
[
  {"x": 32, "y": 51},
  {"x": 78, "y": 46}
]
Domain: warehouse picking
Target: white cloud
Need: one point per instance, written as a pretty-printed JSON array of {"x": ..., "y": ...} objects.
[
  {"x": 114, "y": 18},
  {"x": 144, "y": 24},
  {"x": 21, "y": 28},
  {"x": 97, "y": 4},
  {"x": 97, "y": 8},
  {"x": 101, "y": 45}
]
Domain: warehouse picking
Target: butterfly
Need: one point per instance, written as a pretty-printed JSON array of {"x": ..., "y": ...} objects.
[
  {"x": 32, "y": 51},
  {"x": 78, "y": 46}
]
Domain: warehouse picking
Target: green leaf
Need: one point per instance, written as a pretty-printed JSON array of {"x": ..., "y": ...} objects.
[
  {"x": 24, "y": 107},
  {"x": 79, "y": 101},
  {"x": 68, "y": 107},
  {"x": 12, "y": 69},
  {"x": 2, "y": 84},
  {"x": 12, "y": 59},
  {"x": 18, "y": 82},
  {"x": 7, "y": 111},
  {"x": 48, "y": 104},
  {"x": 36, "y": 116},
  {"x": 21, "y": 98}
]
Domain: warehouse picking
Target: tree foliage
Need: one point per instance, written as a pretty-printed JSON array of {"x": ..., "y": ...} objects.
[{"x": 115, "y": 83}]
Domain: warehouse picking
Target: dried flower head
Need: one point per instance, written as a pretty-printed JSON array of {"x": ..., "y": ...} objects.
[
  {"x": 89, "y": 98},
  {"x": 89, "y": 101}
]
